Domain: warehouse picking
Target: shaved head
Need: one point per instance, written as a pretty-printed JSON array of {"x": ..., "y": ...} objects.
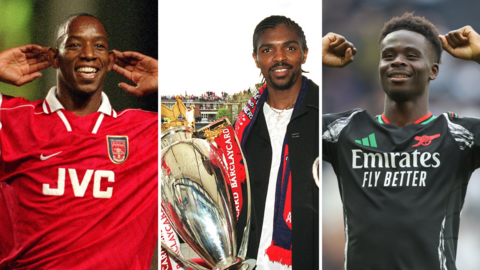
[{"x": 62, "y": 28}]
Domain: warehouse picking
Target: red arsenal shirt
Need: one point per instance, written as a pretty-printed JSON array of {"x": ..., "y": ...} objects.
[{"x": 77, "y": 192}]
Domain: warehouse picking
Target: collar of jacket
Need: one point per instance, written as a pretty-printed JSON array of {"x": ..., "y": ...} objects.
[{"x": 311, "y": 100}]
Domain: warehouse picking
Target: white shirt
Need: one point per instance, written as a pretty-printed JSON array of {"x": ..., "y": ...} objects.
[{"x": 277, "y": 127}]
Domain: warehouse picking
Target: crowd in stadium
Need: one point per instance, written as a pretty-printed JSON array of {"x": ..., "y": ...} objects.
[{"x": 209, "y": 96}]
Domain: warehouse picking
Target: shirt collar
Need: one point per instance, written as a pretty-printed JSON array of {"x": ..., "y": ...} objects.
[
  {"x": 422, "y": 120},
  {"x": 51, "y": 104}
]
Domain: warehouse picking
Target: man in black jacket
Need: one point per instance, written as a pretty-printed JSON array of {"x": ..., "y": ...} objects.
[{"x": 278, "y": 130}]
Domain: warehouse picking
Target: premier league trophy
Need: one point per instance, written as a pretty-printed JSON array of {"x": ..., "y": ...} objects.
[{"x": 196, "y": 195}]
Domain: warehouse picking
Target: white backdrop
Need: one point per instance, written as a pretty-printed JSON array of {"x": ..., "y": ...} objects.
[{"x": 207, "y": 45}]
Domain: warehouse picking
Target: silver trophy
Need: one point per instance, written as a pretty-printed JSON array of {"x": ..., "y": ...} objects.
[{"x": 197, "y": 199}]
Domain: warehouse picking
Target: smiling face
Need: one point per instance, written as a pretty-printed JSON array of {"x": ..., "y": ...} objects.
[
  {"x": 82, "y": 59},
  {"x": 280, "y": 57},
  {"x": 406, "y": 65}
]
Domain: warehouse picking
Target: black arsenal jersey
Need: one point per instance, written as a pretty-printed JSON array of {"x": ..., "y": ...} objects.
[{"x": 402, "y": 188}]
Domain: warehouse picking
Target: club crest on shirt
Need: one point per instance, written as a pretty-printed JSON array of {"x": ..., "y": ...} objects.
[{"x": 117, "y": 148}]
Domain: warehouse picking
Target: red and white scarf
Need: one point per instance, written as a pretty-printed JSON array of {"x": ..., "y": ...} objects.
[{"x": 280, "y": 249}]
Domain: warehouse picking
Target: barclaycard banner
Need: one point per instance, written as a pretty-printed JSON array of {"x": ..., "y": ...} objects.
[
  {"x": 169, "y": 237},
  {"x": 232, "y": 159}
]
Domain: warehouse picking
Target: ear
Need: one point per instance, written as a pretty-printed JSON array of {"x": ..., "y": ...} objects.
[
  {"x": 254, "y": 55},
  {"x": 434, "y": 71},
  {"x": 305, "y": 53},
  {"x": 52, "y": 57},
  {"x": 112, "y": 58}
]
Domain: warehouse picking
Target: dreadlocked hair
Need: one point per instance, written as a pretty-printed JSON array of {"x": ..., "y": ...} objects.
[
  {"x": 415, "y": 24},
  {"x": 271, "y": 23}
]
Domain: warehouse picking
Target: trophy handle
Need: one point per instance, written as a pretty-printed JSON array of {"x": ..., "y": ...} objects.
[
  {"x": 315, "y": 168},
  {"x": 242, "y": 251},
  {"x": 186, "y": 262}
]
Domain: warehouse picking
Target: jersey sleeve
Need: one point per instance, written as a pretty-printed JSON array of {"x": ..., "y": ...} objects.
[
  {"x": 332, "y": 126},
  {"x": 327, "y": 145},
  {"x": 466, "y": 132},
  {"x": 7, "y": 103}
]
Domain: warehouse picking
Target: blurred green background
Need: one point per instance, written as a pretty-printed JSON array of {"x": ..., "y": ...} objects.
[{"x": 132, "y": 26}]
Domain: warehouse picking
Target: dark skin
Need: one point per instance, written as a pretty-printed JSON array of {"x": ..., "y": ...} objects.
[
  {"x": 138, "y": 68},
  {"x": 82, "y": 61},
  {"x": 84, "y": 45},
  {"x": 406, "y": 67},
  {"x": 22, "y": 65},
  {"x": 280, "y": 57},
  {"x": 87, "y": 47}
]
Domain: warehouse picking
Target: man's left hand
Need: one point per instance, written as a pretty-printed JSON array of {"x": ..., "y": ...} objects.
[
  {"x": 463, "y": 43},
  {"x": 138, "y": 68}
]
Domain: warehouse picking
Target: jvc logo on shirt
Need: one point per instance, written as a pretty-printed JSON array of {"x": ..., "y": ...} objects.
[{"x": 79, "y": 188}]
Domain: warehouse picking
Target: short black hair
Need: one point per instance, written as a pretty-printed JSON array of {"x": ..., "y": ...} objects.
[
  {"x": 65, "y": 22},
  {"x": 271, "y": 23},
  {"x": 415, "y": 24}
]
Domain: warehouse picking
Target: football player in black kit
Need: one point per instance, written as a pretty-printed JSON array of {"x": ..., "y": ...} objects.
[{"x": 403, "y": 174}]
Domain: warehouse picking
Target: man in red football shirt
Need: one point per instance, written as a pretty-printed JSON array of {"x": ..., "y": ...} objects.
[{"x": 78, "y": 181}]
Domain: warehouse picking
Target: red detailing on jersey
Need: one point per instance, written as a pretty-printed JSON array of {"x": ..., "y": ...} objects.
[
  {"x": 385, "y": 119},
  {"x": 420, "y": 120},
  {"x": 117, "y": 148},
  {"x": 425, "y": 140},
  {"x": 423, "y": 119}
]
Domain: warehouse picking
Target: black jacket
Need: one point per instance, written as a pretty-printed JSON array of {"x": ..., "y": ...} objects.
[{"x": 303, "y": 142}]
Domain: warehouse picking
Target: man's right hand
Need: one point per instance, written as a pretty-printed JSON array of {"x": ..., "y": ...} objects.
[
  {"x": 337, "y": 51},
  {"x": 21, "y": 65}
]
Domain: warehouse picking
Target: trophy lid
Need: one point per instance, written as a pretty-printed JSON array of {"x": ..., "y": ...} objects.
[
  {"x": 173, "y": 113},
  {"x": 175, "y": 134}
]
